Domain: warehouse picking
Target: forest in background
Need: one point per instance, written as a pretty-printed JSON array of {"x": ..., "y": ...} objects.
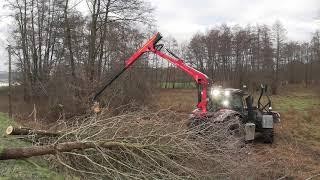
[{"x": 63, "y": 57}]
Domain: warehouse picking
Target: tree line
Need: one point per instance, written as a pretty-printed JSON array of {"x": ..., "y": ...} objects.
[
  {"x": 255, "y": 54},
  {"x": 63, "y": 56}
]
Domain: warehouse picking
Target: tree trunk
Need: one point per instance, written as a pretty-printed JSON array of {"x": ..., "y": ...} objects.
[
  {"x": 68, "y": 40},
  {"x": 93, "y": 35},
  {"x": 27, "y": 131},
  {"x": 102, "y": 40},
  {"x": 27, "y": 152},
  {"x": 9, "y": 80}
]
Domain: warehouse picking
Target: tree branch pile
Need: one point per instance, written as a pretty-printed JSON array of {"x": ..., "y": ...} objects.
[
  {"x": 161, "y": 146},
  {"x": 141, "y": 144}
]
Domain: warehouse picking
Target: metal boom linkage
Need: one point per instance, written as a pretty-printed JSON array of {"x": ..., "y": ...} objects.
[{"x": 151, "y": 46}]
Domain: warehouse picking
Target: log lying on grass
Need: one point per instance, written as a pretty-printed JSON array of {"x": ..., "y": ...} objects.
[
  {"x": 27, "y": 131},
  {"x": 27, "y": 152}
]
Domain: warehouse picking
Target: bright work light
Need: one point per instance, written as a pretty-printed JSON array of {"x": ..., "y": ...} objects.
[
  {"x": 227, "y": 93},
  {"x": 225, "y": 103},
  {"x": 215, "y": 92}
]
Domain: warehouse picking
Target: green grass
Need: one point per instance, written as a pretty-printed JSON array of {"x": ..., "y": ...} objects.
[
  {"x": 296, "y": 103},
  {"x": 178, "y": 85},
  {"x": 4, "y": 89},
  {"x": 305, "y": 125},
  {"x": 33, "y": 168},
  {"x": 301, "y": 114}
]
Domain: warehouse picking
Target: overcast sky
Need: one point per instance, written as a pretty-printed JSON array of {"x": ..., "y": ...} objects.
[{"x": 182, "y": 18}]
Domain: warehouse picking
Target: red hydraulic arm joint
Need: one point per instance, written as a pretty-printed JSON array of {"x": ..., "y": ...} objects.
[{"x": 200, "y": 78}]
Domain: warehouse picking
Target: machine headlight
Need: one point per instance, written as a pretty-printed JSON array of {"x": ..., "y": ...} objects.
[
  {"x": 225, "y": 103},
  {"x": 227, "y": 93},
  {"x": 215, "y": 92}
]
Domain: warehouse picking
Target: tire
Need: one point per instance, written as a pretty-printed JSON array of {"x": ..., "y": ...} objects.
[{"x": 267, "y": 136}]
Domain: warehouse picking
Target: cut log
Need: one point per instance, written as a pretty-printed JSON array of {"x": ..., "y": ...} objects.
[
  {"x": 27, "y": 131},
  {"x": 26, "y": 152}
]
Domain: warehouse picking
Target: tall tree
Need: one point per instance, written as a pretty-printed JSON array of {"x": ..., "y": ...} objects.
[
  {"x": 68, "y": 40},
  {"x": 279, "y": 35}
]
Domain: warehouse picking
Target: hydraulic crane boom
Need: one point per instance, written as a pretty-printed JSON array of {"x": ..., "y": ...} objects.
[{"x": 151, "y": 46}]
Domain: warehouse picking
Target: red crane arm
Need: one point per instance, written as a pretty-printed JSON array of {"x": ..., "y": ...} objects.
[{"x": 200, "y": 78}]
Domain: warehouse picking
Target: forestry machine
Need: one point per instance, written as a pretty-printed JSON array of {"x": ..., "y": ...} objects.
[{"x": 213, "y": 102}]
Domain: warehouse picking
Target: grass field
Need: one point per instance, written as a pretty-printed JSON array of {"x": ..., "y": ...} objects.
[
  {"x": 178, "y": 85},
  {"x": 33, "y": 168}
]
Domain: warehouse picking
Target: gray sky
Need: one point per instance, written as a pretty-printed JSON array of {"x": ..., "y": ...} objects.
[
  {"x": 182, "y": 18},
  {"x": 4, "y": 23}
]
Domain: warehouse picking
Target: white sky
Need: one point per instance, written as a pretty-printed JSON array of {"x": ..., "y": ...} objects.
[{"x": 182, "y": 18}]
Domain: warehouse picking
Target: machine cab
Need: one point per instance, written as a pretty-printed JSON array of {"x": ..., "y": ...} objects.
[{"x": 226, "y": 98}]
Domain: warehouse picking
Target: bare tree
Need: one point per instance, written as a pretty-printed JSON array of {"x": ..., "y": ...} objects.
[
  {"x": 279, "y": 34},
  {"x": 68, "y": 40}
]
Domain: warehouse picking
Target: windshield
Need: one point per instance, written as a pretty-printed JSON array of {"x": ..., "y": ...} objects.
[{"x": 233, "y": 102}]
